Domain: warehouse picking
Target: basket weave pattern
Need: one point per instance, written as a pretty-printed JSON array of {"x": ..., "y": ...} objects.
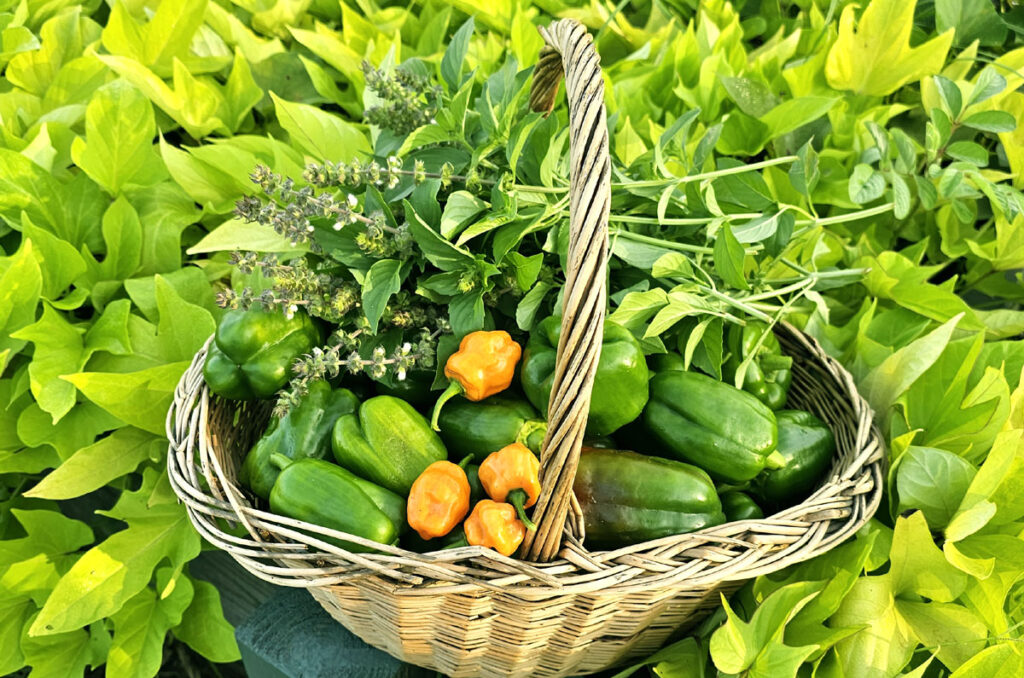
[{"x": 472, "y": 612}]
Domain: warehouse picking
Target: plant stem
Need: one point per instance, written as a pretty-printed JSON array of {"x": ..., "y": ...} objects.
[
  {"x": 668, "y": 244},
  {"x": 707, "y": 175},
  {"x": 688, "y": 221}
]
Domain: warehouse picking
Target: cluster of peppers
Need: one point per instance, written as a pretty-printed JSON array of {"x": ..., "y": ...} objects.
[{"x": 373, "y": 468}]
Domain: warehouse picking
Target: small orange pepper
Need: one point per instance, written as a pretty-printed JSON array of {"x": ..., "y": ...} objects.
[
  {"x": 438, "y": 500},
  {"x": 484, "y": 365},
  {"x": 494, "y": 525},
  {"x": 512, "y": 474}
]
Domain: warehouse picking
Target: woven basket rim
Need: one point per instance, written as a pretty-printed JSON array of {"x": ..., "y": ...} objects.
[{"x": 289, "y": 552}]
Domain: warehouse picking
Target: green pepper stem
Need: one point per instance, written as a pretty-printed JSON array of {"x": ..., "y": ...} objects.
[
  {"x": 465, "y": 461},
  {"x": 281, "y": 461},
  {"x": 454, "y": 389},
  {"x": 775, "y": 460},
  {"x": 531, "y": 434},
  {"x": 517, "y": 498}
]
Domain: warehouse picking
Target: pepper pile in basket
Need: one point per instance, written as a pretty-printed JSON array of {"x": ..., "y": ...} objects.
[{"x": 670, "y": 450}]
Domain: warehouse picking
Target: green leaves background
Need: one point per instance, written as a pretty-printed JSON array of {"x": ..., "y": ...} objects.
[{"x": 854, "y": 168}]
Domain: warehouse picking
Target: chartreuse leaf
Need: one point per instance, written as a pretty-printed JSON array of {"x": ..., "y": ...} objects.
[
  {"x": 118, "y": 145},
  {"x": 955, "y": 632},
  {"x": 934, "y": 481},
  {"x": 110, "y": 574},
  {"x": 884, "y": 644},
  {"x": 137, "y": 398},
  {"x": 757, "y": 645},
  {"x": 62, "y": 38},
  {"x": 184, "y": 327},
  {"x": 887, "y": 382},
  {"x": 92, "y": 467},
  {"x": 140, "y": 626},
  {"x": 873, "y": 56},
  {"x": 204, "y": 628},
  {"x": 58, "y": 655},
  {"x": 58, "y": 351},
  {"x": 320, "y": 134},
  {"x": 918, "y": 566},
  {"x": 25, "y": 186},
  {"x": 47, "y": 532},
  {"x": 1002, "y": 659},
  {"x": 20, "y": 285},
  {"x": 59, "y": 261}
]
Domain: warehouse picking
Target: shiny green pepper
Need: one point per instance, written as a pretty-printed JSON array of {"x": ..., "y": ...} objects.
[
  {"x": 665, "y": 362},
  {"x": 739, "y": 506},
  {"x": 769, "y": 373},
  {"x": 252, "y": 352},
  {"x": 388, "y": 443},
  {"x": 304, "y": 432},
  {"x": 725, "y": 431},
  {"x": 808, "y": 446},
  {"x": 478, "y": 428},
  {"x": 620, "y": 386},
  {"x": 628, "y": 497},
  {"x": 318, "y": 492}
]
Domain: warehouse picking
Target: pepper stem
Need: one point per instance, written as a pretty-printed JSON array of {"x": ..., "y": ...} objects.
[
  {"x": 532, "y": 433},
  {"x": 465, "y": 461},
  {"x": 281, "y": 461},
  {"x": 454, "y": 389},
  {"x": 517, "y": 498},
  {"x": 775, "y": 460}
]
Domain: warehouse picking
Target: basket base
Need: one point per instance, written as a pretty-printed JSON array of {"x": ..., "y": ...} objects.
[{"x": 487, "y": 634}]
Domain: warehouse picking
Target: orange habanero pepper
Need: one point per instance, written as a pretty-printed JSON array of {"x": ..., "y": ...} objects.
[
  {"x": 494, "y": 525},
  {"x": 438, "y": 500},
  {"x": 512, "y": 475},
  {"x": 484, "y": 365}
]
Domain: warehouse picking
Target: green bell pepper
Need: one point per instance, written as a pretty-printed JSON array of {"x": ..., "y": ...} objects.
[
  {"x": 739, "y": 506},
  {"x": 665, "y": 362},
  {"x": 725, "y": 431},
  {"x": 628, "y": 497},
  {"x": 620, "y": 386},
  {"x": 388, "y": 443},
  {"x": 768, "y": 373},
  {"x": 478, "y": 428},
  {"x": 808, "y": 446},
  {"x": 304, "y": 432},
  {"x": 318, "y": 492},
  {"x": 252, "y": 352}
]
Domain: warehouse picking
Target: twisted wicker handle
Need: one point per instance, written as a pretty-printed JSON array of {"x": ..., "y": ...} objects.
[{"x": 570, "y": 48}]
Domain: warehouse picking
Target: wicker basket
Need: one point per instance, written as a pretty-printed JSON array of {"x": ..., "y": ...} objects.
[{"x": 561, "y": 610}]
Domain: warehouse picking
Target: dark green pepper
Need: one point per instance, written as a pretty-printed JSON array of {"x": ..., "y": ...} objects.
[
  {"x": 318, "y": 492},
  {"x": 725, "y": 431},
  {"x": 628, "y": 497},
  {"x": 739, "y": 506},
  {"x": 620, "y": 386},
  {"x": 252, "y": 352},
  {"x": 768, "y": 373},
  {"x": 478, "y": 428},
  {"x": 388, "y": 443},
  {"x": 665, "y": 362},
  {"x": 808, "y": 446},
  {"x": 304, "y": 432}
]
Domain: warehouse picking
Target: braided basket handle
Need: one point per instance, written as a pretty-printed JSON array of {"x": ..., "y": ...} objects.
[{"x": 570, "y": 49}]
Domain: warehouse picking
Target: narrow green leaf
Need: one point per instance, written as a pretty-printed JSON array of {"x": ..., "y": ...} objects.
[{"x": 728, "y": 256}]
